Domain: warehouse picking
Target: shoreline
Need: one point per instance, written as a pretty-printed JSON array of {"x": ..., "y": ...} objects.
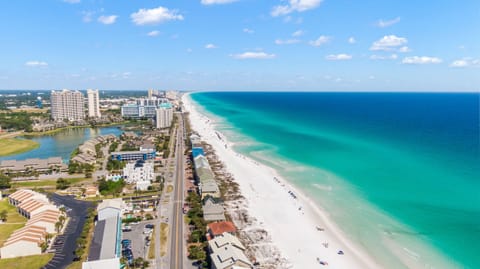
[
  {"x": 36, "y": 134},
  {"x": 305, "y": 235},
  {"x": 27, "y": 145}
]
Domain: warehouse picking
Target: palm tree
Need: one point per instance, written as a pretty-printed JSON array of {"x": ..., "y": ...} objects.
[
  {"x": 58, "y": 226},
  {"x": 62, "y": 219}
]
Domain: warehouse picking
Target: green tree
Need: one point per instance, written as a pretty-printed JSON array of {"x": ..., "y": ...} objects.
[
  {"x": 4, "y": 181},
  {"x": 58, "y": 226},
  {"x": 62, "y": 184}
]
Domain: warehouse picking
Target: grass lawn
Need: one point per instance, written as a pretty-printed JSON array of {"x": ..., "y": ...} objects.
[
  {"x": 27, "y": 262},
  {"x": 14, "y": 221},
  {"x": 75, "y": 265},
  {"x": 45, "y": 183},
  {"x": 163, "y": 238},
  {"x": 10, "y": 146},
  {"x": 151, "y": 249}
]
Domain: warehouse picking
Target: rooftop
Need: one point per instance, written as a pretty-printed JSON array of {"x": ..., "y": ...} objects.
[{"x": 221, "y": 227}]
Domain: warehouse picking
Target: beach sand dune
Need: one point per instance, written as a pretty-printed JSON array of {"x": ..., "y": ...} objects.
[{"x": 302, "y": 232}]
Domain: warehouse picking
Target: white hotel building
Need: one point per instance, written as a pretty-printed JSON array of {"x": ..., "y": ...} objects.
[{"x": 140, "y": 173}]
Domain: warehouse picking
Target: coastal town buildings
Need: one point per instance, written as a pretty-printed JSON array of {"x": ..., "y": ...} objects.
[
  {"x": 33, "y": 164},
  {"x": 143, "y": 107},
  {"x": 93, "y": 104},
  {"x": 42, "y": 217},
  {"x": 67, "y": 105},
  {"x": 155, "y": 93},
  {"x": 105, "y": 249}
]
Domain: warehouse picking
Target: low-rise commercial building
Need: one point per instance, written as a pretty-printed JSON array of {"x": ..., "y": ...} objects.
[
  {"x": 105, "y": 250},
  {"x": 134, "y": 155}
]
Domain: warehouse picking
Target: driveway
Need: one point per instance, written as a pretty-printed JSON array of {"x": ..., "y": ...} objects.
[{"x": 65, "y": 244}]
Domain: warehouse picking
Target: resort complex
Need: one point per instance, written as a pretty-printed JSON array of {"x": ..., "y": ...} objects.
[{"x": 43, "y": 223}]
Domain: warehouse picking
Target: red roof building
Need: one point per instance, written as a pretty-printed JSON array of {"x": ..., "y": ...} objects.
[{"x": 218, "y": 228}]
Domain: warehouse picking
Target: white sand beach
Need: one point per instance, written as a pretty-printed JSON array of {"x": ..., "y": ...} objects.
[{"x": 301, "y": 231}]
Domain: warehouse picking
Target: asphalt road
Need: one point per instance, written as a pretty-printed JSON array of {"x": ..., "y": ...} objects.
[
  {"x": 65, "y": 244},
  {"x": 177, "y": 240}
]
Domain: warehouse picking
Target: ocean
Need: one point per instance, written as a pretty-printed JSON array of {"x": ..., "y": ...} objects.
[{"x": 399, "y": 172}]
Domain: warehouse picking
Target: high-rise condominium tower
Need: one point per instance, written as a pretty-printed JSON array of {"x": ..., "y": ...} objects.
[
  {"x": 67, "y": 105},
  {"x": 93, "y": 104}
]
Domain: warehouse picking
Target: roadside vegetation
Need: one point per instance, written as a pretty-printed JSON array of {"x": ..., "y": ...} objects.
[
  {"x": 197, "y": 242},
  {"x": 84, "y": 241},
  {"x": 163, "y": 238}
]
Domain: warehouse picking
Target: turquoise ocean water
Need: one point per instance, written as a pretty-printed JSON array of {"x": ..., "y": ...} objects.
[{"x": 399, "y": 172}]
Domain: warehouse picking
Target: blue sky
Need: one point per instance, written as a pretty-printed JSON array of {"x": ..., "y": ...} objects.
[{"x": 296, "y": 45}]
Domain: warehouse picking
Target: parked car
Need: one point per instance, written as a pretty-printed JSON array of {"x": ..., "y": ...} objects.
[
  {"x": 149, "y": 226},
  {"x": 126, "y": 243}
]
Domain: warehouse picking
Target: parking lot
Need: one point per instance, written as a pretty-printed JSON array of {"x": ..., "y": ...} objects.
[
  {"x": 137, "y": 236},
  {"x": 65, "y": 244}
]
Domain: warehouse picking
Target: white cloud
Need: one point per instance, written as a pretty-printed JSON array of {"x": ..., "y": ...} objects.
[
  {"x": 87, "y": 16},
  {"x": 388, "y": 42},
  {"x": 421, "y": 60},
  {"x": 72, "y": 1},
  {"x": 107, "y": 19},
  {"x": 460, "y": 63},
  {"x": 248, "y": 31},
  {"x": 404, "y": 49},
  {"x": 210, "y": 46},
  {"x": 36, "y": 63},
  {"x": 465, "y": 62},
  {"x": 253, "y": 55},
  {"x": 352, "y": 40},
  {"x": 214, "y": 2},
  {"x": 153, "y": 33},
  {"x": 286, "y": 42},
  {"x": 155, "y": 16},
  {"x": 338, "y": 57},
  {"x": 189, "y": 50},
  {"x": 298, "y": 33},
  {"x": 294, "y": 5},
  {"x": 381, "y": 57},
  {"x": 320, "y": 41},
  {"x": 383, "y": 24}
]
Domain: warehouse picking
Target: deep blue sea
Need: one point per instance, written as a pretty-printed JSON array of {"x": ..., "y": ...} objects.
[{"x": 399, "y": 172}]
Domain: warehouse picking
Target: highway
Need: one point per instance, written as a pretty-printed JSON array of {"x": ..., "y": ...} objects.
[{"x": 177, "y": 239}]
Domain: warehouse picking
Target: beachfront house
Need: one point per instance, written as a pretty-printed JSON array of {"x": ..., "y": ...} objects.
[
  {"x": 212, "y": 211},
  {"x": 218, "y": 228},
  {"x": 226, "y": 251},
  {"x": 209, "y": 188}
]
